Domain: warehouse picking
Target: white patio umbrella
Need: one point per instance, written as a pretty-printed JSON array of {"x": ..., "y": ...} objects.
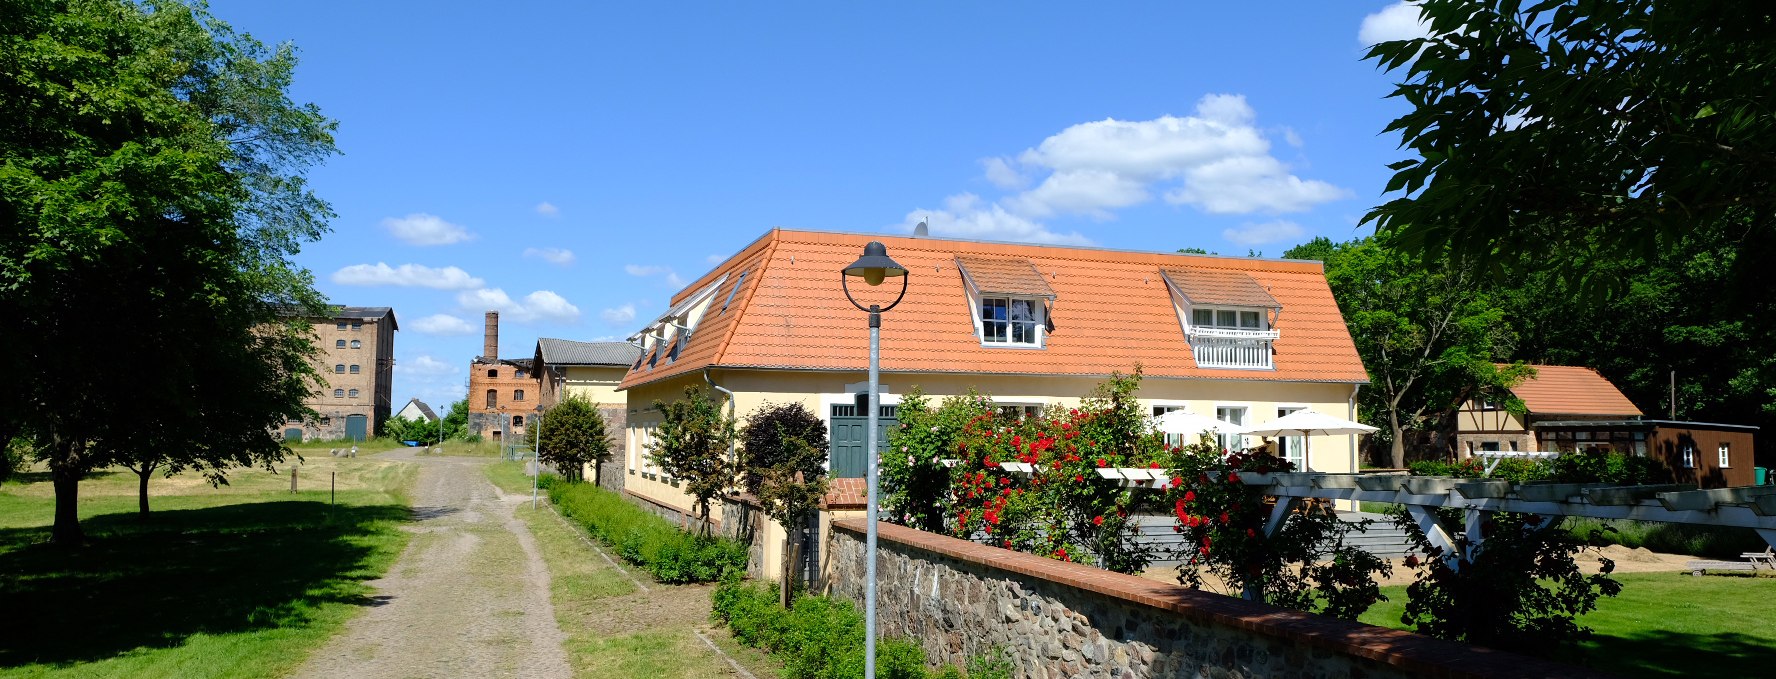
[
  {"x": 1192, "y": 424},
  {"x": 1310, "y": 423}
]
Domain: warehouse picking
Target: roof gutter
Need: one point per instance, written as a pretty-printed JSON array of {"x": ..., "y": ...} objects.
[{"x": 722, "y": 389}]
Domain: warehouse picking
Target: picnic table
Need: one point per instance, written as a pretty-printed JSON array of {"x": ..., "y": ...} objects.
[{"x": 1764, "y": 560}]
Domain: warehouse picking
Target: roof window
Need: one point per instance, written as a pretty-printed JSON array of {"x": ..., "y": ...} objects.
[
  {"x": 1009, "y": 298},
  {"x": 1227, "y": 317}
]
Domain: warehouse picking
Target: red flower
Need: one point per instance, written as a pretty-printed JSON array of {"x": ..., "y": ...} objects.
[
  {"x": 1077, "y": 477},
  {"x": 1251, "y": 533},
  {"x": 1008, "y": 544},
  {"x": 1100, "y": 462},
  {"x": 1098, "y": 520},
  {"x": 1189, "y": 495},
  {"x": 1412, "y": 561},
  {"x": 1233, "y": 477},
  {"x": 1223, "y": 517},
  {"x": 1177, "y": 481}
]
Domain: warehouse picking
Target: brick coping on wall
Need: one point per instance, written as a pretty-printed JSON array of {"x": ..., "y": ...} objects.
[{"x": 1415, "y": 653}]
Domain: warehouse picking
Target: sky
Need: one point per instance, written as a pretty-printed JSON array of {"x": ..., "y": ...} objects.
[{"x": 573, "y": 165}]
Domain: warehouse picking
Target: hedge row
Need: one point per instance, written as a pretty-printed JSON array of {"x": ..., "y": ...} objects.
[
  {"x": 822, "y": 637},
  {"x": 646, "y": 540}
]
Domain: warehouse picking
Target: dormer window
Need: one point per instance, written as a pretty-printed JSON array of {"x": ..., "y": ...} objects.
[
  {"x": 1227, "y": 317},
  {"x": 1009, "y": 298}
]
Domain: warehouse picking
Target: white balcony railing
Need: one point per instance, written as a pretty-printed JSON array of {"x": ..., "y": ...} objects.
[
  {"x": 1248, "y": 350},
  {"x": 1230, "y": 333}
]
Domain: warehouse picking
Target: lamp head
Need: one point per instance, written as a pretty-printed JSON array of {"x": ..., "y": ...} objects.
[{"x": 875, "y": 266}]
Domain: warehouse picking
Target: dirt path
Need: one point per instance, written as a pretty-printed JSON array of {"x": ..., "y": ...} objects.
[{"x": 469, "y": 597}]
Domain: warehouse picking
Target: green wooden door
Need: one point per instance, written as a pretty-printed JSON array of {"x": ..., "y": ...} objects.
[
  {"x": 357, "y": 427},
  {"x": 848, "y": 438}
]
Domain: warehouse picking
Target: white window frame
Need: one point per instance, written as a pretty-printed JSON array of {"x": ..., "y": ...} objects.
[
  {"x": 1026, "y": 409},
  {"x": 1215, "y": 310},
  {"x": 1285, "y": 409},
  {"x": 1232, "y": 442},
  {"x": 1687, "y": 456},
  {"x": 1158, "y": 408},
  {"x": 1726, "y": 456},
  {"x": 977, "y": 301}
]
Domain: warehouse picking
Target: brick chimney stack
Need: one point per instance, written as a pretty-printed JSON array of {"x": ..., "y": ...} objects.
[{"x": 490, "y": 344}]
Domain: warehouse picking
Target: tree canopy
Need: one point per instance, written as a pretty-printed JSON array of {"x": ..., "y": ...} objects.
[
  {"x": 693, "y": 444},
  {"x": 572, "y": 435},
  {"x": 151, "y": 197}
]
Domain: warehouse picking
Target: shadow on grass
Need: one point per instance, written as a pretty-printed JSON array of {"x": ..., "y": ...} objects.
[
  {"x": 26, "y": 478},
  {"x": 219, "y": 570},
  {"x": 1660, "y": 653}
]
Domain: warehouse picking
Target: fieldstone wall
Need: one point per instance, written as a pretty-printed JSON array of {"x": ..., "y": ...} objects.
[
  {"x": 960, "y": 599},
  {"x": 611, "y": 471},
  {"x": 743, "y": 521}
]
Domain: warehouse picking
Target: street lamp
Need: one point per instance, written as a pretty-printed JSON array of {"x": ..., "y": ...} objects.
[{"x": 873, "y": 267}]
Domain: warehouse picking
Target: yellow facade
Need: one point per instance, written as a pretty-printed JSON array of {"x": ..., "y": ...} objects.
[
  {"x": 820, "y": 390},
  {"x": 597, "y": 384}
]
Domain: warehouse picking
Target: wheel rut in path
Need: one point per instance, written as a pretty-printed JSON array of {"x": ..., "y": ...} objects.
[{"x": 468, "y": 598}]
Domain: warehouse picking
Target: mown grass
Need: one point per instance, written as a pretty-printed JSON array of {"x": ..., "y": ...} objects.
[
  {"x": 613, "y": 629},
  {"x": 1665, "y": 625},
  {"x": 237, "y": 581}
]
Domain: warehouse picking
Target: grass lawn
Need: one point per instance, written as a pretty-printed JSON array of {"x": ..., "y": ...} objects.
[
  {"x": 238, "y": 581},
  {"x": 613, "y": 629},
  {"x": 1666, "y": 625}
]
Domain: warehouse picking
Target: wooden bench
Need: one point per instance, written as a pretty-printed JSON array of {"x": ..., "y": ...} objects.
[
  {"x": 1766, "y": 558},
  {"x": 1698, "y": 567}
]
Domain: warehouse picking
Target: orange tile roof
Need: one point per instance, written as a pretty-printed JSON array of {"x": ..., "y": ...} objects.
[
  {"x": 1009, "y": 276},
  {"x": 1208, "y": 286},
  {"x": 1113, "y": 310},
  {"x": 1572, "y": 390}
]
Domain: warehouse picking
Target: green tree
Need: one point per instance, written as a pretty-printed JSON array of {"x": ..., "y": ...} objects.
[
  {"x": 574, "y": 434},
  {"x": 1429, "y": 333},
  {"x": 693, "y": 444},
  {"x": 454, "y": 426},
  {"x": 783, "y": 463},
  {"x": 151, "y": 197},
  {"x": 1538, "y": 126}
]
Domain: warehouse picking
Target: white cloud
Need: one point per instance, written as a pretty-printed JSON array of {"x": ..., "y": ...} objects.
[
  {"x": 425, "y": 365},
  {"x": 1111, "y": 164},
  {"x": 1002, "y": 174},
  {"x": 442, "y": 324},
  {"x": 557, "y": 256},
  {"x": 964, "y": 216},
  {"x": 542, "y": 305},
  {"x": 407, "y": 276},
  {"x": 1292, "y": 138},
  {"x": 548, "y": 209},
  {"x": 619, "y": 315},
  {"x": 1399, "y": 21},
  {"x": 1263, "y": 233},
  {"x": 716, "y": 259},
  {"x": 420, "y": 228},
  {"x": 649, "y": 270}
]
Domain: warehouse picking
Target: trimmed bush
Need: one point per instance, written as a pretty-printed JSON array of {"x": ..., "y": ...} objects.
[
  {"x": 821, "y": 637},
  {"x": 646, "y": 540}
]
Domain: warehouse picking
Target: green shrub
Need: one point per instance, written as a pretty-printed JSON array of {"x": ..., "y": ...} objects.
[
  {"x": 821, "y": 637},
  {"x": 671, "y": 555},
  {"x": 1709, "y": 542}
]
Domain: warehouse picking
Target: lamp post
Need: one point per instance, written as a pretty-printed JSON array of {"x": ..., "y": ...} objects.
[{"x": 873, "y": 267}]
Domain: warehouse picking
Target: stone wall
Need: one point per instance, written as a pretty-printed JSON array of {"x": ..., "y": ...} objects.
[
  {"x": 610, "y": 472},
  {"x": 961, "y": 599},
  {"x": 743, "y": 521}
]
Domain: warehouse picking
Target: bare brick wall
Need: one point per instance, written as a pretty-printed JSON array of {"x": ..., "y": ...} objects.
[{"x": 960, "y": 599}]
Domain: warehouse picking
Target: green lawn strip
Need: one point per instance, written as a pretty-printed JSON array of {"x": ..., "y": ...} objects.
[
  {"x": 587, "y": 592},
  {"x": 1665, "y": 625},
  {"x": 237, "y": 581}
]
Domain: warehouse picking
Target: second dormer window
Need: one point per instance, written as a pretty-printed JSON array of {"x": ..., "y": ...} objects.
[{"x": 1011, "y": 321}]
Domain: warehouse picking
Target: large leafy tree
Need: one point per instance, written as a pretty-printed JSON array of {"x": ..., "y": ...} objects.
[
  {"x": 783, "y": 463},
  {"x": 1430, "y": 333},
  {"x": 1623, "y": 125},
  {"x": 151, "y": 196},
  {"x": 573, "y": 434}
]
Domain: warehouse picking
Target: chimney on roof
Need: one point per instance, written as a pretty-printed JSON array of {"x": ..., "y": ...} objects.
[{"x": 490, "y": 343}]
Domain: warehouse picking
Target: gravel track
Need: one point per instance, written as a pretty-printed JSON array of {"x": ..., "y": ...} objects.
[{"x": 468, "y": 598}]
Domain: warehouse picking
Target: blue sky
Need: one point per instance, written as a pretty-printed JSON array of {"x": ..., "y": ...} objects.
[{"x": 571, "y": 164}]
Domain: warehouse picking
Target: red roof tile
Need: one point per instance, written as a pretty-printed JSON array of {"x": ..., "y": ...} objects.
[
  {"x": 1573, "y": 390},
  {"x": 1009, "y": 276},
  {"x": 1208, "y": 286},
  {"x": 1113, "y": 311}
]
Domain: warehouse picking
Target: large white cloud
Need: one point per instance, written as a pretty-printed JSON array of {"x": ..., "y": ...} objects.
[
  {"x": 441, "y": 324},
  {"x": 542, "y": 305},
  {"x": 407, "y": 275},
  {"x": 556, "y": 256},
  {"x": 965, "y": 216},
  {"x": 1399, "y": 21},
  {"x": 1264, "y": 233},
  {"x": 420, "y": 228}
]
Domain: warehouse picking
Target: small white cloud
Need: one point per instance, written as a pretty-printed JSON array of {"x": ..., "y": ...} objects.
[
  {"x": 556, "y": 256},
  {"x": 964, "y": 216},
  {"x": 548, "y": 209},
  {"x": 407, "y": 276},
  {"x": 619, "y": 315},
  {"x": 1263, "y": 233},
  {"x": 420, "y": 228},
  {"x": 441, "y": 324},
  {"x": 425, "y": 365},
  {"x": 650, "y": 270},
  {"x": 1399, "y": 21},
  {"x": 542, "y": 305},
  {"x": 1000, "y": 172},
  {"x": 1292, "y": 138},
  {"x": 716, "y": 259}
]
